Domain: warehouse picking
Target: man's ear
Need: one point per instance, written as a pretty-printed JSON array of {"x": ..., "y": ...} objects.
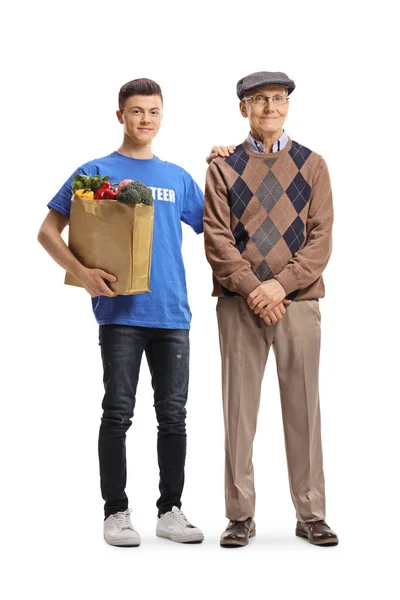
[
  {"x": 120, "y": 117},
  {"x": 243, "y": 109}
]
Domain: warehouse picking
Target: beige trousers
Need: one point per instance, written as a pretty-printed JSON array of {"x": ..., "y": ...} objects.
[{"x": 245, "y": 341}]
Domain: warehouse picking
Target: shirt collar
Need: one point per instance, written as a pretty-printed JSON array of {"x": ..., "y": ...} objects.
[{"x": 256, "y": 146}]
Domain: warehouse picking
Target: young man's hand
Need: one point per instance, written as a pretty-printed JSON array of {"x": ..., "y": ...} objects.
[
  {"x": 93, "y": 282},
  {"x": 269, "y": 294},
  {"x": 275, "y": 314},
  {"x": 223, "y": 151}
]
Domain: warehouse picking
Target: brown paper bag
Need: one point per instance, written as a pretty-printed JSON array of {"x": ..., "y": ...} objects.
[{"x": 115, "y": 237}]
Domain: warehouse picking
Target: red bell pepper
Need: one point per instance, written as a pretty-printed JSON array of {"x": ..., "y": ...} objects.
[
  {"x": 100, "y": 192},
  {"x": 109, "y": 194},
  {"x": 105, "y": 192}
]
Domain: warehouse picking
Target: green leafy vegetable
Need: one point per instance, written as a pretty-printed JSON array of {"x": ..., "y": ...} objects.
[{"x": 87, "y": 182}]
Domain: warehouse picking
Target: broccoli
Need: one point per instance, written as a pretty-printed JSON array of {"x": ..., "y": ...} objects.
[{"x": 135, "y": 192}]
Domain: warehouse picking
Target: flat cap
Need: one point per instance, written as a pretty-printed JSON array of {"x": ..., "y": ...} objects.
[{"x": 261, "y": 79}]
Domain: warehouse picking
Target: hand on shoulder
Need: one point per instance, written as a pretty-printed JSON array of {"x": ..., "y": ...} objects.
[{"x": 223, "y": 151}]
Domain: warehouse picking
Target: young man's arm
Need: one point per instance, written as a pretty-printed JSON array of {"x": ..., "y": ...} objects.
[
  {"x": 49, "y": 237},
  {"x": 193, "y": 208},
  {"x": 223, "y": 151}
]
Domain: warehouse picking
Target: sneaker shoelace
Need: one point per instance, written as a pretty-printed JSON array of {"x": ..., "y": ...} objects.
[
  {"x": 122, "y": 519},
  {"x": 180, "y": 519}
]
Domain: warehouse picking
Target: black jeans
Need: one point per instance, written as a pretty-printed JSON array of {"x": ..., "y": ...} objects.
[{"x": 167, "y": 353}]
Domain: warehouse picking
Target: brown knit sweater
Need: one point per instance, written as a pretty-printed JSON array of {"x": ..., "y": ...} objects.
[{"x": 268, "y": 216}]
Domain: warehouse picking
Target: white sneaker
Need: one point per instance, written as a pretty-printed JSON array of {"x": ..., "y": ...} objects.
[
  {"x": 119, "y": 531},
  {"x": 175, "y": 526}
]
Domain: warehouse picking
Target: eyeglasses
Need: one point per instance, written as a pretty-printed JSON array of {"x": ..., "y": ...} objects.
[{"x": 262, "y": 100}]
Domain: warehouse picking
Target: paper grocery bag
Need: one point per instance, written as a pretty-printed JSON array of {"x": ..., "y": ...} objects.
[{"x": 116, "y": 237}]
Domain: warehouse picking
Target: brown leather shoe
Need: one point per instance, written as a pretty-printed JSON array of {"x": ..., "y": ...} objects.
[
  {"x": 238, "y": 533},
  {"x": 318, "y": 533}
]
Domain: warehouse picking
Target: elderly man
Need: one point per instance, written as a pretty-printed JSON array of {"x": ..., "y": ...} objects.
[{"x": 267, "y": 223}]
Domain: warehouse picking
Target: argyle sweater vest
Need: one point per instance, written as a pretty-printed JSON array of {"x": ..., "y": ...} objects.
[{"x": 268, "y": 216}]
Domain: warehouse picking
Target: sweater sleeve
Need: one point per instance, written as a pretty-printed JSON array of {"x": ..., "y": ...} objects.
[
  {"x": 309, "y": 262},
  {"x": 227, "y": 263}
]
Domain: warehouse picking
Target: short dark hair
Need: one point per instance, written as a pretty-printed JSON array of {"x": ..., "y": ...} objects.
[{"x": 138, "y": 87}]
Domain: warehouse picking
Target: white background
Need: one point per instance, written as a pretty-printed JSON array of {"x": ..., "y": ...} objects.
[{"x": 63, "y": 65}]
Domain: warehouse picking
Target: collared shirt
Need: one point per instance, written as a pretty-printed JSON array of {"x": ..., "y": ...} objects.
[{"x": 256, "y": 146}]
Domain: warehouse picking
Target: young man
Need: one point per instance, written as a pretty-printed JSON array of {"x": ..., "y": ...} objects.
[
  {"x": 267, "y": 230},
  {"x": 156, "y": 323}
]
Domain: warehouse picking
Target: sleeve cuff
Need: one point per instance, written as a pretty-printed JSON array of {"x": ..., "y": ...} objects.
[
  {"x": 199, "y": 229},
  {"x": 248, "y": 284},
  {"x": 288, "y": 281},
  {"x": 58, "y": 208}
]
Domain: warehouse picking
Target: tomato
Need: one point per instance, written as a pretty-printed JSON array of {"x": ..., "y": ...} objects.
[{"x": 124, "y": 182}]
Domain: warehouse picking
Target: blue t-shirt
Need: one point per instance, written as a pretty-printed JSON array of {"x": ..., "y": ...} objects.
[{"x": 176, "y": 198}]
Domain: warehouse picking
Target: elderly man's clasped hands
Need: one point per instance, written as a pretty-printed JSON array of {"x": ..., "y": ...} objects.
[{"x": 268, "y": 300}]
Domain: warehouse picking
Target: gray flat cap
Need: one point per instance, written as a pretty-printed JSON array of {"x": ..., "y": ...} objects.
[{"x": 261, "y": 79}]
